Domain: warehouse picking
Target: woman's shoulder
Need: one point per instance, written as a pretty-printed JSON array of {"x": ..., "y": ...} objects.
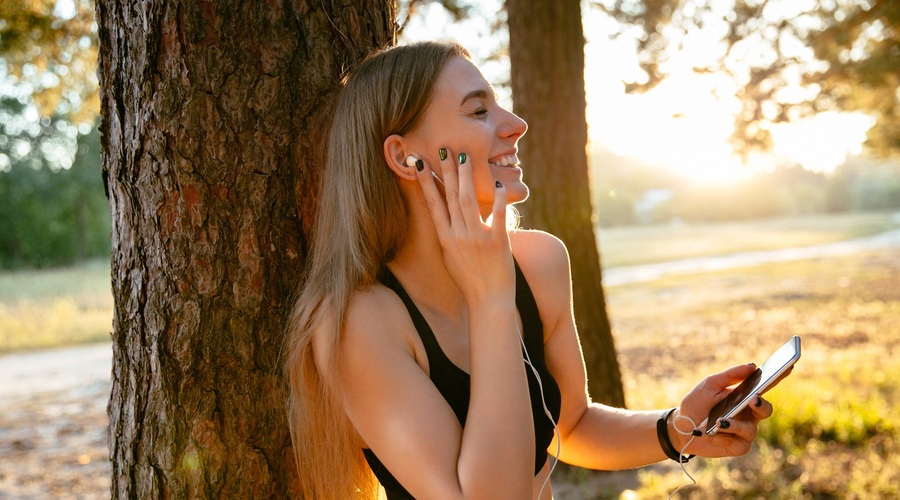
[
  {"x": 544, "y": 261},
  {"x": 376, "y": 326},
  {"x": 373, "y": 306},
  {"x": 540, "y": 254}
]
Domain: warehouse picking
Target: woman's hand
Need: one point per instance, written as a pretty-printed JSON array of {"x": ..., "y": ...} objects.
[
  {"x": 735, "y": 435},
  {"x": 476, "y": 252}
]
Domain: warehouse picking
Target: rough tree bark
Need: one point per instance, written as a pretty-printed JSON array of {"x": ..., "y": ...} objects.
[
  {"x": 212, "y": 116},
  {"x": 546, "y": 51}
]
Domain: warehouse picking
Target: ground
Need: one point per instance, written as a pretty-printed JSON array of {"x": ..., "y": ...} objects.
[
  {"x": 53, "y": 403},
  {"x": 53, "y": 442},
  {"x": 53, "y": 445}
]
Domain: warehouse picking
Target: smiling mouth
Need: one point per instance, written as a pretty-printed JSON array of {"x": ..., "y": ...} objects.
[{"x": 505, "y": 161}]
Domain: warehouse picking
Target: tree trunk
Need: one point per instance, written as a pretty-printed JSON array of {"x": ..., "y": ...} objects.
[
  {"x": 546, "y": 51},
  {"x": 213, "y": 115}
]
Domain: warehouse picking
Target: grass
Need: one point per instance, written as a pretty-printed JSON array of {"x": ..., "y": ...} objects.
[
  {"x": 835, "y": 432},
  {"x": 55, "y": 307},
  {"x": 625, "y": 246}
]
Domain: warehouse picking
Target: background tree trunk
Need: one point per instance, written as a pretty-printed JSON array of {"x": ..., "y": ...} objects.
[
  {"x": 212, "y": 116},
  {"x": 546, "y": 51}
]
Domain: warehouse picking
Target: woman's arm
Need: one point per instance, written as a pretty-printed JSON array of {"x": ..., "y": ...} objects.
[
  {"x": 407, "y": 423},
  {"x": 598, "y": 436}
]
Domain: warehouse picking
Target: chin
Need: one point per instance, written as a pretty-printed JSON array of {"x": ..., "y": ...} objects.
[
  {"x": 516, "y": 193},
  {"x": 511, "y": 177}
]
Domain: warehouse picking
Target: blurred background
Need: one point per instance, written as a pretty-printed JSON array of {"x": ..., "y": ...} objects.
[{"x": 746, "y": 187}]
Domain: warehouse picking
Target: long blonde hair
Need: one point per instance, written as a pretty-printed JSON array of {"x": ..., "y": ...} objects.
[{"x": 360, "y": 223}]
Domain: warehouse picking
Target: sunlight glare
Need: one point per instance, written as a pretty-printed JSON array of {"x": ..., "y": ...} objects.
[
  {"x": 65, "y": 9},
  {"x": 686, "y": 122},
  {"x": 822, "y": 142},
  {"x": 682, "y": 124}
]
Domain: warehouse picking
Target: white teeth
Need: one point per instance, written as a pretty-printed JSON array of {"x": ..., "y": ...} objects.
[{"x": 506, "y": 161}]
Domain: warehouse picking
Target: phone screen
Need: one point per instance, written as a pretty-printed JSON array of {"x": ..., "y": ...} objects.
[{"x": 757, "y": 383}]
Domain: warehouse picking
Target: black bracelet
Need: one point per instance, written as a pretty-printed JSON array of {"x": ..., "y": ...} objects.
[{"x": 662, "y": 433}]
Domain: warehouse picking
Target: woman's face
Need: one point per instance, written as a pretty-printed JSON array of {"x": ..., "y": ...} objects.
[{"x": 464, "y": 117}]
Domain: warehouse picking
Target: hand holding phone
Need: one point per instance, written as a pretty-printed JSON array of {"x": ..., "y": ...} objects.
[{"x": 765, "y": 377}]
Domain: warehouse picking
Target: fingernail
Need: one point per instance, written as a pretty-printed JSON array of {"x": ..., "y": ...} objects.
[
  {"x": 442, "y": 154},
  {"x": 461, "y": 158},
  {"x": 420, "y": 165},
  {"x": 696, "y": 433},
  {"x": 724, "y": 424},
  {"x": 758, "y": 402},
  {"x": 498, "y": 184}
]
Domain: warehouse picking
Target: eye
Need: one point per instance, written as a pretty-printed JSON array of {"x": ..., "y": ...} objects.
[{"x": 480, "y": 112}]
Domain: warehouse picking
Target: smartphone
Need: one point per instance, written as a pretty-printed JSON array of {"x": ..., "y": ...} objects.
[{"x": 758, "y": 382}]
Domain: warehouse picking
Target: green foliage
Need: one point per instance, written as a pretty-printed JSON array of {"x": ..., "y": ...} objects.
[
  {"x": 864, "y": 185},
  {"x": 620, "y": 184},
  {"x": 813, "y": 411},
  {"x": 49, "y": 57},
  {"x": 53, "y": 209},
  {"x": 860, "y": 48},
  {"x": 788, "y": 59},
  {"x": 51, "y": 215}
]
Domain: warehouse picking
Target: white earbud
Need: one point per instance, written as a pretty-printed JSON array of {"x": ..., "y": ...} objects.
[{"x": 411, "y": 161}]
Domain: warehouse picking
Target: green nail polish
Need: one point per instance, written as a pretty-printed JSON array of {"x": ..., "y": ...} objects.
[
  {"x": 462, "y": 158},
  {"x": 442, "y": 153}
]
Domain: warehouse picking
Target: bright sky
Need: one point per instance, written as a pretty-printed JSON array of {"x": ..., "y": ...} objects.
[{"x": 683, "y": 123}]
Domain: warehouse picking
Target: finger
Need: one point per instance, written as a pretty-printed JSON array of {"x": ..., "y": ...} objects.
[
  {"x": 729, "y": 377},
  {"x": 498, "y": 212},
  {"x": 467, "y": 204},
  {"x": 449, "y": 172},
  {"x": 450, "y": 177},
  {"x": 433, "y": 198},
  {"x": 728, "y": 443},
  {"x": 743, "y": 430},
  {"x": 760, "y": 409}
]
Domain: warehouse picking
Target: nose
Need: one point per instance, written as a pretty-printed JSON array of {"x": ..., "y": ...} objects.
[{"x": 512, "y": 127}]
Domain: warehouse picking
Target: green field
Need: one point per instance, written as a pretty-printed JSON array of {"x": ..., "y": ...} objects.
[
  {"x": 626, "y": 246},
  {"x": 836, "y": 431},
  {"x": 55, "y": 307}
]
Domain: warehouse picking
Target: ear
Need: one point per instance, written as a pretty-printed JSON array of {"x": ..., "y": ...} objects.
[{"x": 396, "y": 151}]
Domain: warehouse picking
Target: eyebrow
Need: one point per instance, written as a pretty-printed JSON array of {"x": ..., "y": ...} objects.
[{"x": 480, "y": 93}]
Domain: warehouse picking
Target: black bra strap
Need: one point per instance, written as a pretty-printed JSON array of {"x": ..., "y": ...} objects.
[{"x": 432, "y": 347}]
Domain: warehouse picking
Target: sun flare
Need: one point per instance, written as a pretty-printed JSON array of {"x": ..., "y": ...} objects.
[{"x": 685, "y": 122}]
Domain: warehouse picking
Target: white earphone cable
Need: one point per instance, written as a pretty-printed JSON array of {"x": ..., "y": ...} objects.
[
  {"x": 537, "y": 377},
  {"x": 683, "y": 449}
]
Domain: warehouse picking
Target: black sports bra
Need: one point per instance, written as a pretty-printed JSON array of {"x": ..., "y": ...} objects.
[{"x": 454, "y": 383}]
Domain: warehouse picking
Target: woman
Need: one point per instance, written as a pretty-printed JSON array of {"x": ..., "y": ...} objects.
[{"x": 405, "y": 348}]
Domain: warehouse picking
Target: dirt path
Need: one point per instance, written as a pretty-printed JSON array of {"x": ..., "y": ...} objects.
[
  {"x": 649, "y": 272},
  {"x": 53, "y": 424}
]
